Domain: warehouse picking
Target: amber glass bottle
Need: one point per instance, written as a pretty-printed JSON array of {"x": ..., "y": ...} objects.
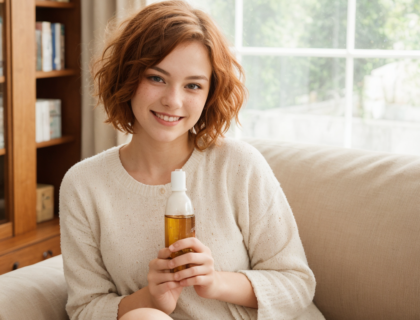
[{"x": 179, "y": 215}]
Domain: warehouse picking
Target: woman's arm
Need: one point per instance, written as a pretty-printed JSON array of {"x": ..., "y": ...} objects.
[
  {"x": 237, "y": 289},
  {"x": 224, "y": 286}
]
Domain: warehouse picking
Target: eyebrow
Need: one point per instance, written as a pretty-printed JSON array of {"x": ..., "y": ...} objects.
[{"x": 188, "y": 78}]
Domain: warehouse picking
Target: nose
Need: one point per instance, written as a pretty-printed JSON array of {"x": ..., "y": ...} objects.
[{"x": 172, "y": 98}]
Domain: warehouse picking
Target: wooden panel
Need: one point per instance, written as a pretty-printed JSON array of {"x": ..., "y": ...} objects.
[
  {"x": 55, "y": 73},
  {"x": 22, "y": 131},
  {"x": 30, "y": 255},
  {"x": 6, "y": 230},
  {"x": 45, "y": 230},
  {"x": 50, "y": 4}
]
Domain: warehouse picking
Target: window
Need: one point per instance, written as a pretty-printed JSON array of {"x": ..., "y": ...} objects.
[{"x": 337, "y": 72}]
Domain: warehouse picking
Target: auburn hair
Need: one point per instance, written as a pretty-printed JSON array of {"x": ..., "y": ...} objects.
[{"x": 145, "y": 39}]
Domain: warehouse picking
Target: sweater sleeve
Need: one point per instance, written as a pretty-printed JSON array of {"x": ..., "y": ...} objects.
[
  {"x": 92, "y": 295},
  {"x": 281, "y": 278}
]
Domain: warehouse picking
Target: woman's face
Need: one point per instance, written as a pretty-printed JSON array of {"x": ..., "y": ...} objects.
[{"x": 171, "y": 95}]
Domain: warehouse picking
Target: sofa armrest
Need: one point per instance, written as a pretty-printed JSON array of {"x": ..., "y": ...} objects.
[{"x": 38, "y": 291}]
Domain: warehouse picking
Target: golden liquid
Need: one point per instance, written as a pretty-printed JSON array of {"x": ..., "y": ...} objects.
[{"x": 177, "y": 228}]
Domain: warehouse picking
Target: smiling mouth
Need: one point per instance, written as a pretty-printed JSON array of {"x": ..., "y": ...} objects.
[{"x": 166, "y": 117}]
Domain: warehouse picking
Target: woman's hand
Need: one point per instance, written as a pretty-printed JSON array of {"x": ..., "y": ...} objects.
[
  {"x": 163, "y": 289},
  {"x": 201, "y": 273}
]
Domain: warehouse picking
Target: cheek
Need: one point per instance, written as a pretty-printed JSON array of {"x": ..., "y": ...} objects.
[{"x": 196, "y": 105}]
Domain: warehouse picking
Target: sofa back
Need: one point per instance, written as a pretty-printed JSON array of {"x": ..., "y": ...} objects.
[{"x": 358, "y": 214}]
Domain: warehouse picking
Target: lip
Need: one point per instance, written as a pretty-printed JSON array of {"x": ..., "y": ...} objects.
[{"x": 166, "y": 123}]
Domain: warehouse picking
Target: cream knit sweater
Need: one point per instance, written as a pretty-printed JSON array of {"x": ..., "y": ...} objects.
[{"x": 112, "y": 226}]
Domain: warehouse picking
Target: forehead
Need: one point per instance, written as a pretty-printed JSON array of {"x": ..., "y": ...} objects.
[{"x": 189, "y": 58}]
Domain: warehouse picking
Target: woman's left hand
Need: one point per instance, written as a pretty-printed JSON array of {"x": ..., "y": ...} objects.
[{"x": 201, "y": 273}]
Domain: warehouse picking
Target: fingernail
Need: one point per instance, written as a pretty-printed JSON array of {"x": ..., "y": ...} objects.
[{"x": 171, "y": 247}]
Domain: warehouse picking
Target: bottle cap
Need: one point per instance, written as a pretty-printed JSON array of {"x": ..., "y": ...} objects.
[{"x": 178, "y": 180}]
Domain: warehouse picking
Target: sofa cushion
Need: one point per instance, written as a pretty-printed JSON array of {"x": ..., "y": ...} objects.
[
  {"x": 36, "y": 292},
  {"x": 358, "y": 214}
]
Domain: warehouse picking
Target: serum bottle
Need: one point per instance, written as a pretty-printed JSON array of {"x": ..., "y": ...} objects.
[{"x": 179, "y": 215}]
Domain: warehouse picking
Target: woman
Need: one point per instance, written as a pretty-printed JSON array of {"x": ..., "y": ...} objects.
[{"x": 169, "y": 78}]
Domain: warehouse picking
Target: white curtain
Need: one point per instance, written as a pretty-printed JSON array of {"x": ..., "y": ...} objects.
[{"x": 97, "y": 136}]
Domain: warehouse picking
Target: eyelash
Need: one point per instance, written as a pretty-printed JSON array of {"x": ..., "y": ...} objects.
[{"x": 194, "y": 84}]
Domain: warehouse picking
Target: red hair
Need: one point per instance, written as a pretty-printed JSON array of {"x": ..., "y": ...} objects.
[{"x": 144, "y": 40}]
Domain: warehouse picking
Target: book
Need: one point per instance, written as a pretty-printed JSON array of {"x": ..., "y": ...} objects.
[
  {"x": 55, "y": 118},
  {"x": 47, "y": 119},
  {"x": 46, "y": 46},
  {"x": 38, "y": 48},
  {"x": 62, "y": 38},
  {"x": 44, "y": 202},
  {"x": 56, "y": 35}
]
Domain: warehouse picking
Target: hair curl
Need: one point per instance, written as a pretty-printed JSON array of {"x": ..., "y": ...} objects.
[{"x": 145, "y": 39}]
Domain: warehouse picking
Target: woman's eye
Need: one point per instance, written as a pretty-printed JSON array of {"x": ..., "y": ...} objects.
[
  {"x": 193, "y": 86},
  {"x": 156, "y": 79}
]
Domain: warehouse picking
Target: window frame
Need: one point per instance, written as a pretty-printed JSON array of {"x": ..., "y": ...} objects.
[{"x": 349, "y": 53}]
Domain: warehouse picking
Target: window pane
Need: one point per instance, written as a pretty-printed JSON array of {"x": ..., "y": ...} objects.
[
  {"x": 388, "y": 24},
  {"x": 387, "y": 113},
  {"x": 222, "y": 11},
  {"x": 295, "y": 24},
  {"x": 295, "y": 99}
]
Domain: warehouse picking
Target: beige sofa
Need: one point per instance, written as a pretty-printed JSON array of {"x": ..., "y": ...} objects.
[{"x": 358, "y": 214}]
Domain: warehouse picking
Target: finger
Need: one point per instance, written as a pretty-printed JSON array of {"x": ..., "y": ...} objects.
[
  {"x": 164, "y": 253},
  {"x": 189, "y": 243},
  {"x": 195, "y": 281},
  {"x": 164, "y": 287},
  {"x": 157, "y": 278},
  {"x": 161, "y": 265},
  {"x": 191, "y": 258},
  {"x": 192, "y": 272}
]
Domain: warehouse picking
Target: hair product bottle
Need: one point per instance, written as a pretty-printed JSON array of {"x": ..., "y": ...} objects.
[{"x": 179, "y": 215}]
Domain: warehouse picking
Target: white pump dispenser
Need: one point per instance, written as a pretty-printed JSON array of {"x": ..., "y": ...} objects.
[{"x": 178, "y": 202}]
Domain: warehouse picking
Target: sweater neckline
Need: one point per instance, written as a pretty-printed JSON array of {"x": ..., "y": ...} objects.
[{"x": 141, "y": 189}]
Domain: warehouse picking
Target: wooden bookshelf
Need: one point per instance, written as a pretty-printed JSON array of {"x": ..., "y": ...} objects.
[
  {"x": 55, "y": 73},
  {"x": 52, "y": 4},
  {"x": 22, "y": 240},
  {"x": 54, "y": 142}
]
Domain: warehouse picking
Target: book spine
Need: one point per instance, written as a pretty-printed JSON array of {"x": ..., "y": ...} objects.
[
  {"x": 46, "y": 120},
  {"x": 38, "y": 50},
  {"x": 57, "y": 37},
  {"x": 55, "y": 118},
  {"x": 38, "y": 120},
  {"x": 53, "y": 47},
  {"x": 62, "y": 39},
  {"x": 46, "y": 46}
]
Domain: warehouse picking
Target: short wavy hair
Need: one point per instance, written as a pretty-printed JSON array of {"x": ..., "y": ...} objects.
[{"x": 145, "y": 39}]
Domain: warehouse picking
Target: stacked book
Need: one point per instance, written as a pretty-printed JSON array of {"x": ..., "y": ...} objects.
[
  {"x": 59, "y": 0},
  {"x": 49, "y": 46},
  {"x": 48, "y": 119}
]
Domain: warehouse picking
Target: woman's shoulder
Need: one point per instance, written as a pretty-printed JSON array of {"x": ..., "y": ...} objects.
[
  {"x": 92, "y": 167},
  {"x": 238, "y": 152}
]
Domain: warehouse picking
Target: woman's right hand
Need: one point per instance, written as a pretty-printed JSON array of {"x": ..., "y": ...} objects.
[{"x": 163, "y": 289}]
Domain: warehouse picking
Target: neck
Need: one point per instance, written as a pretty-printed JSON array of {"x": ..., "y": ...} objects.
[{"x": 152, "y": 162}]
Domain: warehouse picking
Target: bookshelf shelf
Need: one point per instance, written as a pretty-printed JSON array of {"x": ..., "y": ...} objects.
[
  {"x": 54, "y": 142},
  {"x": 52, "y": 4},
  {"x": 55, "y": 73},
  {"x": 2, "y": 77}
]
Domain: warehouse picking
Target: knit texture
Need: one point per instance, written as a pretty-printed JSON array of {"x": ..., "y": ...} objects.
[{"x": 112, "y": 226}]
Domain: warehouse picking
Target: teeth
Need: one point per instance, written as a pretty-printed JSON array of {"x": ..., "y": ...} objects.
[{"x": 166, "y": 118}]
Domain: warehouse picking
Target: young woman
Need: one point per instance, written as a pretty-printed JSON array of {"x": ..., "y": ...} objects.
[{"x": 169, "y": 78}]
